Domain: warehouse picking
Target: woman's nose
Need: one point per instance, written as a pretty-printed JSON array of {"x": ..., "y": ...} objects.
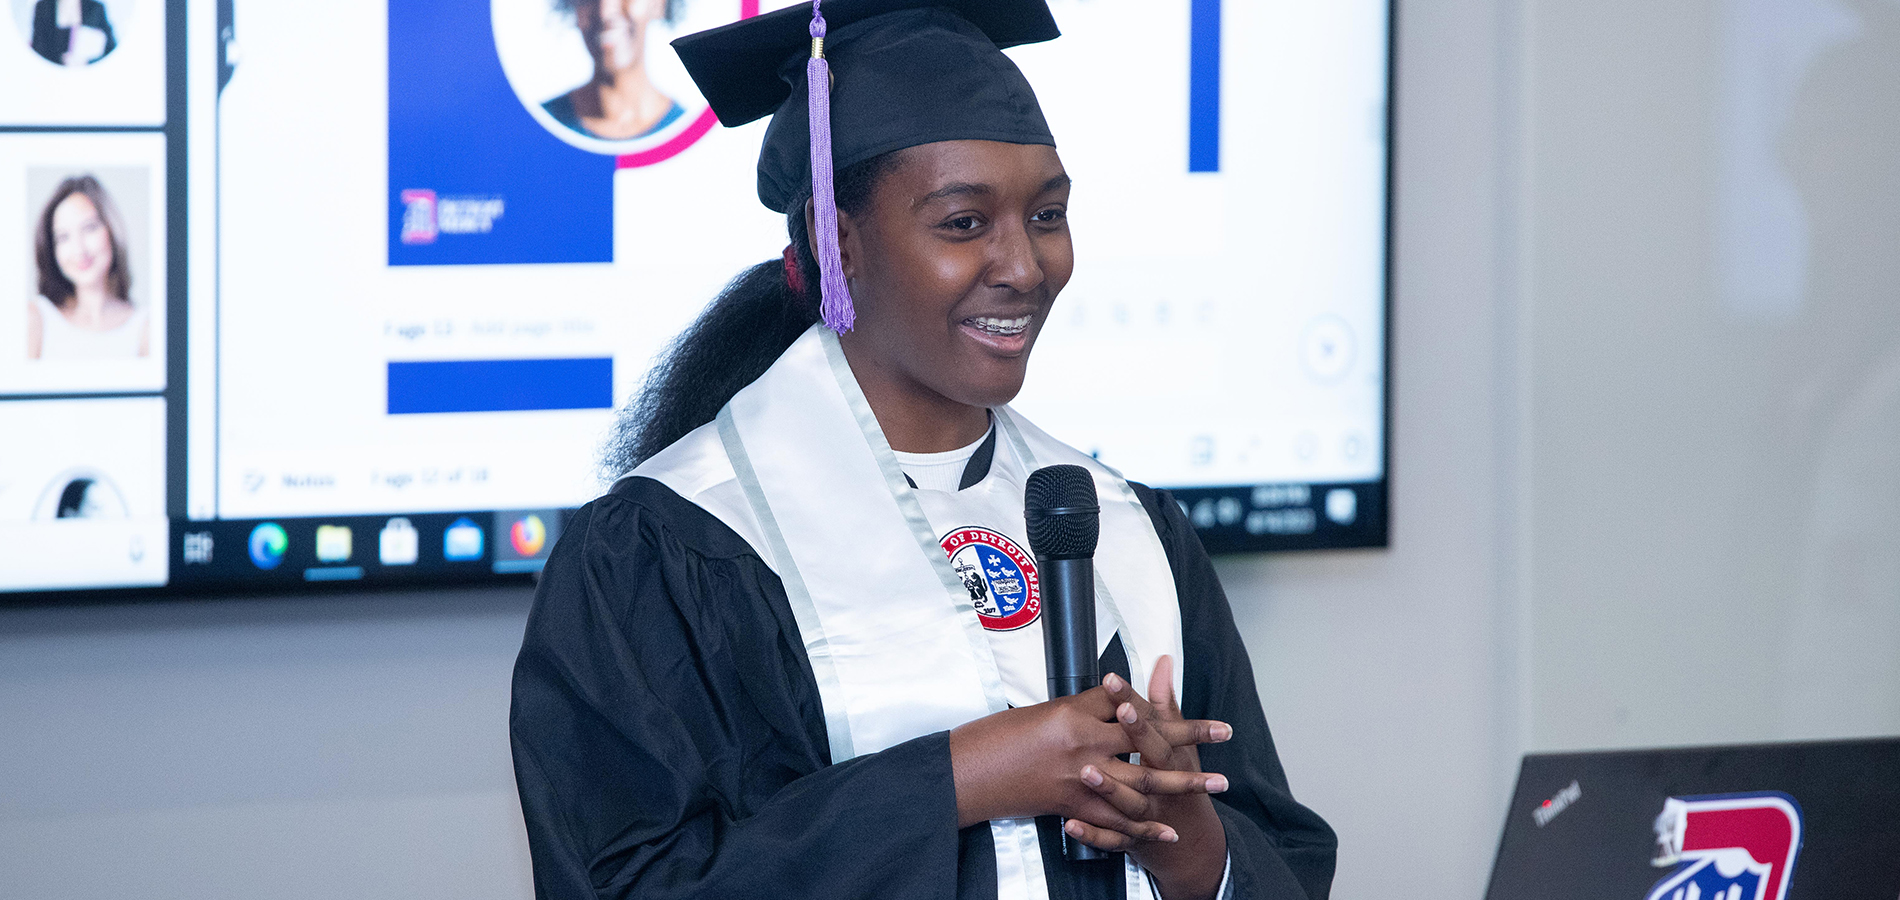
[{"x": 1014, "y": 264}]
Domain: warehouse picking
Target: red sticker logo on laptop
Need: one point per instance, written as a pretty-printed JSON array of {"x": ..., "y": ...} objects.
[{"x": 1727, "y": 847}]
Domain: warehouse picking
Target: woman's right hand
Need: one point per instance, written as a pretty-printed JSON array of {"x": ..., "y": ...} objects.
[{"x": 1028, "y": 762}]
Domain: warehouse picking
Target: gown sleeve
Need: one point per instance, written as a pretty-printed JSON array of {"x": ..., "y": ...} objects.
[
  {"x": 1277, "y": 849},
  {"x": 669, "y": 741}
]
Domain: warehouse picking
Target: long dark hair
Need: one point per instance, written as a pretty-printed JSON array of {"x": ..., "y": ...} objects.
[
  {"x": 738, "y": 337},
  {"x": 54, "y": 285}
]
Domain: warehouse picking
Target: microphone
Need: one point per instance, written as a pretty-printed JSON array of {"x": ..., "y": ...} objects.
[{"x": 1064, "y": 523}]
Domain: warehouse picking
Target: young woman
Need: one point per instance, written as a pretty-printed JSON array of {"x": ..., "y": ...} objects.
[
  {"x": 758, "y": 666},
  {"x": 620, "y": 102},
  {"x": 83, "y": 310}
]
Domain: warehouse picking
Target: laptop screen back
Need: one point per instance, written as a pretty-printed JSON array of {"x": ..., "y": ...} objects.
[{"x": 1806, "y": 821}]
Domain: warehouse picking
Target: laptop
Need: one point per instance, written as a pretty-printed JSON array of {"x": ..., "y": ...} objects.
[{"x": 1801, "y": 821}]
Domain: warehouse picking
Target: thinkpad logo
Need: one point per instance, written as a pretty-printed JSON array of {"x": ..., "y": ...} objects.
[{"x": 1549, "y": 809}]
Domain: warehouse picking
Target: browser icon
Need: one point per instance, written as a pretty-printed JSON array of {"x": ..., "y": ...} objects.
[{"x": 269, "y": 542}]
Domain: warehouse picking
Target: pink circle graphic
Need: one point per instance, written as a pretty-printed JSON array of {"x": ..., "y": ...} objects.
[{"x": 671, "y": 148}]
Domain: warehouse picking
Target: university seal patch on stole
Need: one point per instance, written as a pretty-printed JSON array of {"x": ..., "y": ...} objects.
[{"x": 999, "y": 575}]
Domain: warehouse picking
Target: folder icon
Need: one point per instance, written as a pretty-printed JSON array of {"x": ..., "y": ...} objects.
[{"x": 333, "y": 543}]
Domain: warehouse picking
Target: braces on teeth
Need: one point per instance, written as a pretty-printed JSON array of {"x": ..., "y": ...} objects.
[{"x": 1001, "y": 326}]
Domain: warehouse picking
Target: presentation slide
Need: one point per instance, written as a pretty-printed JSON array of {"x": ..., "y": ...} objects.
[{"x": 389, "y": 269}]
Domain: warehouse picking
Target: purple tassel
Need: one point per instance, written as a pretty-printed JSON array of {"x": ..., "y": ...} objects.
[{"x": 835, "y": 296}]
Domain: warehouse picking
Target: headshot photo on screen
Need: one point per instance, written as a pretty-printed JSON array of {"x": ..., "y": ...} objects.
[
  {"x": 83, "y": 62},
  {"x": 86, "y": 265},
  {"x": 619, "y": 102},
  {"x": 82, "y": 494},
  {"x": 598, "y": 74},
  {"x": 71, "y": 33},
  {"x": 82, "y": 459}
]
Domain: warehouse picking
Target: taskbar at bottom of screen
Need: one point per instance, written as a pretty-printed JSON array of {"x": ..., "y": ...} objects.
[
  {"x": 1287, "y": 515},
  {"x": 372, "y": 549}
]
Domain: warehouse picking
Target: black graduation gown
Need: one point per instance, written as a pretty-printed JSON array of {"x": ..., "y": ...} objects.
[{"x": 669, "y": 740}]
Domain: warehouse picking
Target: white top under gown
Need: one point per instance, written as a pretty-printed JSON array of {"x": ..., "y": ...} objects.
[{"x": 61, "y": 339}]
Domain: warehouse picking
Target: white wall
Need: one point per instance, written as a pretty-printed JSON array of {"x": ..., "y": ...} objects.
[
  {"x": 286, "y": 748},
  {"x": 1391, "y": 677},
  {"x": 1713, "y": 259},
  {"x": 1648, "y": 385},
  {"x": 1648, "y": 418}
]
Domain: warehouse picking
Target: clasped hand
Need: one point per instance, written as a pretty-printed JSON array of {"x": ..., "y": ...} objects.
[{"x": 1060, "y": 758}]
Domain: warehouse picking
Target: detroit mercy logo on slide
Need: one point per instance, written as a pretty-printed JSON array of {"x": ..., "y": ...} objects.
[
  {"x": 1000, "y": 577},
  {"x": 1729, "y": 847}
]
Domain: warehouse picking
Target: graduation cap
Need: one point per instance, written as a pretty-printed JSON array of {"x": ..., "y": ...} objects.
[{"x": 900, "y": 73}]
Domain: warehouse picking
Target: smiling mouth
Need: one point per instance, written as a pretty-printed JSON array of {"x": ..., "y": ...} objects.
[{"x": 999, "y": 327}]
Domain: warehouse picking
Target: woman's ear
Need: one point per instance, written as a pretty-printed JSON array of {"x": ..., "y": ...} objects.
[
  {"x": 811, "y": 229},
  {"x": 848, "y": 249},
  {"x": 847, "y": 239}
]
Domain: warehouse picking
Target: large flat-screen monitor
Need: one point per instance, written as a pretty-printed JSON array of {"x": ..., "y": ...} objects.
[{"x": 352, "y": 294}]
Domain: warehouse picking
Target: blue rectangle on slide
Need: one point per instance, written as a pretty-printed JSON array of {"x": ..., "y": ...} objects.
[
  {"x": 473, "y": 178},
  {"x": 500, "y": 385},
  {"x": 1204, "y": 85}
]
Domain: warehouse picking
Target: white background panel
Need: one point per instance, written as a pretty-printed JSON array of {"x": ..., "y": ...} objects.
[{"x": 126, "y": 87}]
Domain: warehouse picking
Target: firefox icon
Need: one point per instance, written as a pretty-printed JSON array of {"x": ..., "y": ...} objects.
[{"x": 528, "y": 535}]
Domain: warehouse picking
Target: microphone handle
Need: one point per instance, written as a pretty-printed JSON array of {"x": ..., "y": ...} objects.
[{"x": 1068, "y": 634}]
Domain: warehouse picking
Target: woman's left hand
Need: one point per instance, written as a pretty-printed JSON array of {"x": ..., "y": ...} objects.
[{"x": 1190, "y": 868}]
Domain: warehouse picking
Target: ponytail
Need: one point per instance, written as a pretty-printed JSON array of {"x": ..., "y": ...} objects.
[{"x": 741, "y": 333}]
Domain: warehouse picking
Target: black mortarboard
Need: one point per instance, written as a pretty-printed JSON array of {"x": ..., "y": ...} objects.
[{"x": 902, "y": 73}]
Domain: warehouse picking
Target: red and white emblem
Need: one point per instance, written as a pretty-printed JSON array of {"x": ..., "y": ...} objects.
[{"x": 1000, "y": 577}]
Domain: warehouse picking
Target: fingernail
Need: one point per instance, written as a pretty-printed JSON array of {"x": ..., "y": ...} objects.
[
  {"x": 1216, "y": 784},
  {"x": 1091, "y": 776},
  {"x": 1113, "y": 682},
  {"x": 1168, "y": 836},
  {"x": 1222, "y": 732},
  {"x": 1072, "y": 829},
  {"x": 1126, "y": 713}
]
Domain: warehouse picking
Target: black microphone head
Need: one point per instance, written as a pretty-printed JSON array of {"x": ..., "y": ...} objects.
[{"x": 1060, "y": 513}]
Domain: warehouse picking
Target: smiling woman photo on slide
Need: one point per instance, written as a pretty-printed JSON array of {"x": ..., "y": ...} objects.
[
  {"x": 84, "y": 309},
  {"x": 620, "y": 102}
]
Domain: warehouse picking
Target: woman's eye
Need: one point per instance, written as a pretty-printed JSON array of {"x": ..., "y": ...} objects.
[
  {"x": 962, "y": 223},
  {"x": 1050, "y": 216}
]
